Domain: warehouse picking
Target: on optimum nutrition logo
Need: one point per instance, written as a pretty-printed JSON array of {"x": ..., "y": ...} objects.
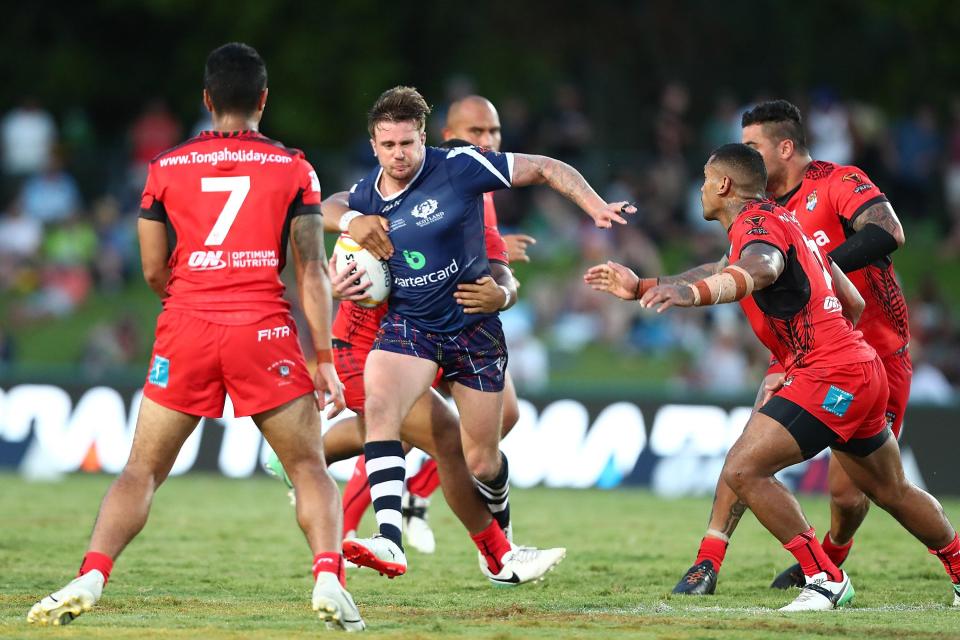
[{"x": 429, "y": 278}]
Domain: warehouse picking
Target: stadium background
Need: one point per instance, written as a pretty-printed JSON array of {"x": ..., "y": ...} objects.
[{"x": 633, "y": 94}]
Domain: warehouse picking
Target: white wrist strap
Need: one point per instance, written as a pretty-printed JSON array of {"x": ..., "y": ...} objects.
[
  {"x": 346, "y": 218},
  {"x": 506, "y": 293}
]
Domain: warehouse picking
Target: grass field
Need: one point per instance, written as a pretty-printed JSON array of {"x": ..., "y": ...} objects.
[{"x": 224, "y": 559}]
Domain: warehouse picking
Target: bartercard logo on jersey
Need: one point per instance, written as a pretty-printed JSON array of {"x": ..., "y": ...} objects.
[
  {"x": 429, "y": 278},
  {"x": 812, "y": 200},
  {"x": 426, "y": 212},
  {"x": 206, "y": 261}
]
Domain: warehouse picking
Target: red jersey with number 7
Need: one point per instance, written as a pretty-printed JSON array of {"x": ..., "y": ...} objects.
[
  {"x": 798, "y": 317},
  {"x": 228, "y": 199}
]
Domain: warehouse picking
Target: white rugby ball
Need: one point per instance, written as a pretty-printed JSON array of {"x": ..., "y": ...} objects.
[{"x": 377, "y": 271}]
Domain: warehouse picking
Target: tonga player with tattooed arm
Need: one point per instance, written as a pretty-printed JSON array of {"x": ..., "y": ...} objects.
[{"x": 801, "y": 306}]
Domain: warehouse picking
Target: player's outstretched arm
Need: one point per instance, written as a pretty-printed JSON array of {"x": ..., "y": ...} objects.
[
  {"x": 622, "y": 282},
  {"x": 850, "y": 299},
  {"x": 759, "y": 266},
  {"x": 154, "y": 254},
  {"x": 878, "y": 233},
  {"x": 489, "y": 294},
  {"x": 564, "y": 179},
  {"x": 369, "y": 231},
  {"x": 310, "y": 262}
]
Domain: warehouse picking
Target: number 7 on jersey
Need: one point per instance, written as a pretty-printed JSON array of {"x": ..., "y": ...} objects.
[{"x": 238, "y": 187}]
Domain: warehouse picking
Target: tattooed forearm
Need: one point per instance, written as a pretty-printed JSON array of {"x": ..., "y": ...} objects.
[
  {"x": 882, "y": 215},
  {"x": 697, "y": 273},
  {"x": 564, "y": 179},
  {"x": 308, "y": 239}
]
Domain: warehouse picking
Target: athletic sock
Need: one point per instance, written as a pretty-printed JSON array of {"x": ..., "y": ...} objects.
[
  {"x": 493, "y": 545},
  {"x": 496, "y": 493},
  {"x": 330, "y": 562},
  {"x": 836, "y": 553},
  {"x": 385, "y": 471},
  {"x": 712, "y": 549},
  {"x": 356, "y": 497},
  {"x": 807, "y": 550},
  {"x": 425, "y": 481},
  {"x": 950, "y": 557},
  {"x": 99, "y": 561}
]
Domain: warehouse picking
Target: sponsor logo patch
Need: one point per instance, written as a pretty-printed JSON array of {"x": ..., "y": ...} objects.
[
  {"x": 415, "y": 259},
  {"x": 159, "y": 372},
  {"x": 756, "y": 226},
  {"x": 857, "y": 179},
  {"x": 812, "y": 200},
  {"x": 837, "y": 401}
]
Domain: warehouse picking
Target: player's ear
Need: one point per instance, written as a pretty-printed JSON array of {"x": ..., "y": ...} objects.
[
  {"x": 786, "y": 148},
  {"x": 373, "y": 146},
  {"x": 724, "y": 187},
  {"x": 207, "y": 102},
  {"x": 423, "y": 137},
  {"x": 262, "y": 102}
]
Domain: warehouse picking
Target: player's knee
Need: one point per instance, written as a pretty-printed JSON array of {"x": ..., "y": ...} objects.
[
  {"x": 484, "y": 465},
  {"x": 379, "y": 413},
  {"x": 737, "y": 472},
  {"x": 890, "y": 495},
  {"x": 849, "y": 500},
  {"x": 142, "y": 475}
]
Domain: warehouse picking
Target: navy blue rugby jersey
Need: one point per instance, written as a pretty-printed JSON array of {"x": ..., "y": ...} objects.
[{"x": 436, "y": 227}]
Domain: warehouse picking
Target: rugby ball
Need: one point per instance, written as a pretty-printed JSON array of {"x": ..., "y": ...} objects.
[{"x": 377, "y": 271}]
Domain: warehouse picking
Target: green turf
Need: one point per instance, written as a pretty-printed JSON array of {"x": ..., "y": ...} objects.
[{"x": 224, "y": 559}]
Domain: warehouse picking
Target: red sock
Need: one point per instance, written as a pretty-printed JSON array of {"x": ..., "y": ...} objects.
[
  {"x": 330, "y": 562},
  {"x": 356, "y": 497},
  {"x": 426, "y": 480},
  {"x": 950, "y": 557},
  {"x": 836, "y": 553},
  {"x": 493, "y": 545},
  {"x": 807, "y": 550},
  {"x": 712, "y": 549},
  {"x": 99, "y": 561}
]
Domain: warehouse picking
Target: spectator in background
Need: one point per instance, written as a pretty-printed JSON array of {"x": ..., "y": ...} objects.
[
  {"x": 116, "y": 254},
  {"x": 951, "y": 179},
  {"x": 52, "y": 195},
  {"x": 155, "y": 130},
  {"x": 29, "y": 136},
  {"x": 566, "y": 131},
  {"x": 914, "y": 160},
  {"x": 828, "y": 124},
  {"x": 20, "y": 235}
]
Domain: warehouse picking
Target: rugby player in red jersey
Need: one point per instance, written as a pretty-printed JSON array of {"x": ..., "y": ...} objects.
[
  {"x": 849, "y": 218},
  {"x": 232, "y": 197},
  {"x": 834, "y": 393}
]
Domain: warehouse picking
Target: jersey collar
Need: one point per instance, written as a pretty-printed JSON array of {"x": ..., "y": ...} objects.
[
  {"x": 376, "y": 184},
  {"x": 785, "y": 198},
  {"x": 230, "y": 134}
]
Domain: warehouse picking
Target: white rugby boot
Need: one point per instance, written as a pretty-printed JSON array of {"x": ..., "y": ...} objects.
[
  {"x": 417, "y": 531},
  {"x": 956, "y": 595},
  {"x": 334, "y": 605},
  {"x": 61, "y": 607},
  {"x": 523, "y": 564},
  {"x": 379, "y": 553},
  {"x": 822, "y": 594}
]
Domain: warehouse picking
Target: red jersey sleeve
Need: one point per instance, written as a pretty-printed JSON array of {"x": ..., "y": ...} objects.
[
  {"x": 151, "y": 202},
  {"x": 852, "y": 192},
  {"x": 496, "y": 247},
  {"x": 308, "y": 196},
  {"x": 775, "y": 366},
  {"x": 757, "y": 225}
]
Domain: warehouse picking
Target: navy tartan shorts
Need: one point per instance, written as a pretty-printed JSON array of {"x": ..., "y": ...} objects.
[{"x": 475, "y": 356}]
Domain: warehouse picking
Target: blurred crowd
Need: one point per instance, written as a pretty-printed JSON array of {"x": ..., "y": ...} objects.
[{"x": 69, "y": 209}]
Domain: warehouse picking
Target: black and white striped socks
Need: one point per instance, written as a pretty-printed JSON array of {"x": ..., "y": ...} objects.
[
  {"x": 385, "y": 473},
  {"x": 496, "y": 493}
]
